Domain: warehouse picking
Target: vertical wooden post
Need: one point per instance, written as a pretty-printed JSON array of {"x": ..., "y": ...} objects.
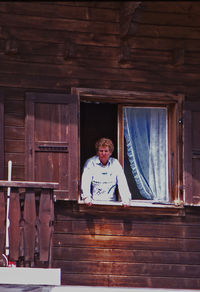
[
  {"x": 14, "y": 229},
  {"x": 2, "y": 221},
  {"x": 29, "y": 225},
  {"x": 46, "y": 217}
]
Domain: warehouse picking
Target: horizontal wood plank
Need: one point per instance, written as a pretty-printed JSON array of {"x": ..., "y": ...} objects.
[
  {"x": 129, "y": 74},
  {"x": 127, "y": 228},
  {"x": 125, "y": 255},
  {"x": 28, "y": 184},
  {"x": 129, "y": 281},
  {"x": 17, "y": 172},
  {"x": 127, "y": 242},
  {"x": 14, "y": 106},
  {"x": 129, "y": 269},
  {"x": 154, "y": 282},
  {"x": 59, "y": 24},
  {"x": 172, "y": 7},
  {"x": 58, "y": 11},
  {"x": 83, "y": 38},
  {"x": 14, "y": 132},
  {"x": 14, "y": 119},
  {"x": 84, "y": 279},
  {"x": 137, "y": 58},
  {"x": 14, "y": 146},
  {"x": 103, "y": 4},
  {"x": 169, "y": 19}
]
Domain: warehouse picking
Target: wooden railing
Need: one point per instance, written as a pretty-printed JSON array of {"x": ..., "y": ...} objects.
[{"x": 31, "y": 217}]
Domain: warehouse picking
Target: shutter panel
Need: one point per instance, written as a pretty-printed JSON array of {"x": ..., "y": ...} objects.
[
  {"x": 52, "y": 141},
  {"x": 1, "y": 135},
  {"x": 191, "y": 153}
]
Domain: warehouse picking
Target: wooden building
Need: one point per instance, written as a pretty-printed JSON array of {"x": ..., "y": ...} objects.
[{"x": 67, "y": 70}]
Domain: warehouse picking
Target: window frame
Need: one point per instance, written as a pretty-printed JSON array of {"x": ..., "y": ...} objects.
[{"x": 173, "y": 102}]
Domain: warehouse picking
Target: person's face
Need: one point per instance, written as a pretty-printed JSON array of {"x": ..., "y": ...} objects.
[{"x": 104, "y": 154}]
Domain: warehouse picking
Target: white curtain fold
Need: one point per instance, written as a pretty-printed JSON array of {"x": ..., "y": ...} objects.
[{"x": 145, "y": 131}]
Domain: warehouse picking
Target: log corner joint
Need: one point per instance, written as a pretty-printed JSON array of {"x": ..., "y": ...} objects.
[{"x": 127, "y": 13}]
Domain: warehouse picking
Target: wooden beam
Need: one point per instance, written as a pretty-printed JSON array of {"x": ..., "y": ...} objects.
[{"x": 29, "y": 184}]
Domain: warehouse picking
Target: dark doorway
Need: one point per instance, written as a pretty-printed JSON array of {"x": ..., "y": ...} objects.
[{"x": 97, "y": 120}]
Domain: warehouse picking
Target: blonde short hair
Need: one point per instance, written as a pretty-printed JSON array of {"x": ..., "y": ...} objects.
[{"x": 104, "y": 142}]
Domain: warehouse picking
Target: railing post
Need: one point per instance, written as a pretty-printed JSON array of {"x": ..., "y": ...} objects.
[
  {"x": 2, "y": 221},
  {"x": 29, "y": 225},
  {"x": 46, "y": 218},
  {"x": 30, "y": 230},
  {"x": 14, "y": 228}
]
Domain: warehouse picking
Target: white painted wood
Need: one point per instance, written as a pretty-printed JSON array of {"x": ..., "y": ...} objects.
[
  {"x": 115, "y": 289},
  {"x": 30, "y": 276}
]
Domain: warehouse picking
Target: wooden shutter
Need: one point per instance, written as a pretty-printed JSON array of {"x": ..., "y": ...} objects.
[
  {"x": 1, "y": 135},
  {"x": 191, "y": 153},
  {"x": 52, "y": 141}
]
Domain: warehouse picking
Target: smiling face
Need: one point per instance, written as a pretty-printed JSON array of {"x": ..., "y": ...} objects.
[{"x": 104, "y": 154}]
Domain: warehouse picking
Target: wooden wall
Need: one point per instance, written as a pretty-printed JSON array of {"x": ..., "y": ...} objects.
[
  {"x": 134, "y": 247},
  {"x": 53, "y": 46}
]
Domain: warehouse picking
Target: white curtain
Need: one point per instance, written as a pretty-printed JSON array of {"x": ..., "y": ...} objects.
[{"x": 145, "y": 131}]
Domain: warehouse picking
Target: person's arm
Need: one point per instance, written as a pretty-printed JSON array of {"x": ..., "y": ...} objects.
[
  {"x": 124, "y": 191},
  {"x": 86, "y": 184}
]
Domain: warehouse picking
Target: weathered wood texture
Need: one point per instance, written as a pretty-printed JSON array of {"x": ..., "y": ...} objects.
[
  {"x": 30, "y": 221},
  {"x": 191, "y": 179},
  {"x": 54, "y": 46},
  {"x": 51, "y": 141},
  {"x": 122, "y": 247}
]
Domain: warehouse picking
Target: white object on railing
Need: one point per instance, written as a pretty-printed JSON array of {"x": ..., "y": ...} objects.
[{"x": 8, "y": 207}]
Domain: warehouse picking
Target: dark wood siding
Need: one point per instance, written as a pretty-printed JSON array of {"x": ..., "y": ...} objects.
[
  {"x": 54, "y": 46},
  {"x": 116, "y": 246},
  {"x": 191, "y": 183},
  {"x": 79, "y": 45},
  {"x": 14, "y": 132}
]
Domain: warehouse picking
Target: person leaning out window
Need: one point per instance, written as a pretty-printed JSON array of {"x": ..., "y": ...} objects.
[{"x": 102, "y": 174}]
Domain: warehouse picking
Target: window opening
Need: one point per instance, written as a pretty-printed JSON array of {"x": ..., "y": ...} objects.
[
  {"x": 145, "y": 144},
  {"x": 172, "y": 105}
]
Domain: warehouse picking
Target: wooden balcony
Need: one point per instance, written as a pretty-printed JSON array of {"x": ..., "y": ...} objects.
[{"x": 31, "y": 218}]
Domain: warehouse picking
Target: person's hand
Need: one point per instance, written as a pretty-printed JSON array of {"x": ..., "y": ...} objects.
[
  {"x": 88, "y": 201},
  {"x": 126, "y": 204}
]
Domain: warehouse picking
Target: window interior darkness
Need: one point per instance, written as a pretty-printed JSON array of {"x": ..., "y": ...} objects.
[{"x": 97, "y": 120}]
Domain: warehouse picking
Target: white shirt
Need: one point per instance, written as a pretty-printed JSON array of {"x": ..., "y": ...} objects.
[{"x": 99, "y": 181}]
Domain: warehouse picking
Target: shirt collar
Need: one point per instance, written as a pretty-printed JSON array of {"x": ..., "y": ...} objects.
[{"x": 100, "y": 163}]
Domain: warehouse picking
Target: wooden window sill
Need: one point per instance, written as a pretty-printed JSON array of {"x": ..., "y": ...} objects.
[{"x": 136, "y": 207}]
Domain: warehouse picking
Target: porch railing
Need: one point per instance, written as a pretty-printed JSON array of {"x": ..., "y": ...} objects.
[{"x": 31, "y": 218}]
